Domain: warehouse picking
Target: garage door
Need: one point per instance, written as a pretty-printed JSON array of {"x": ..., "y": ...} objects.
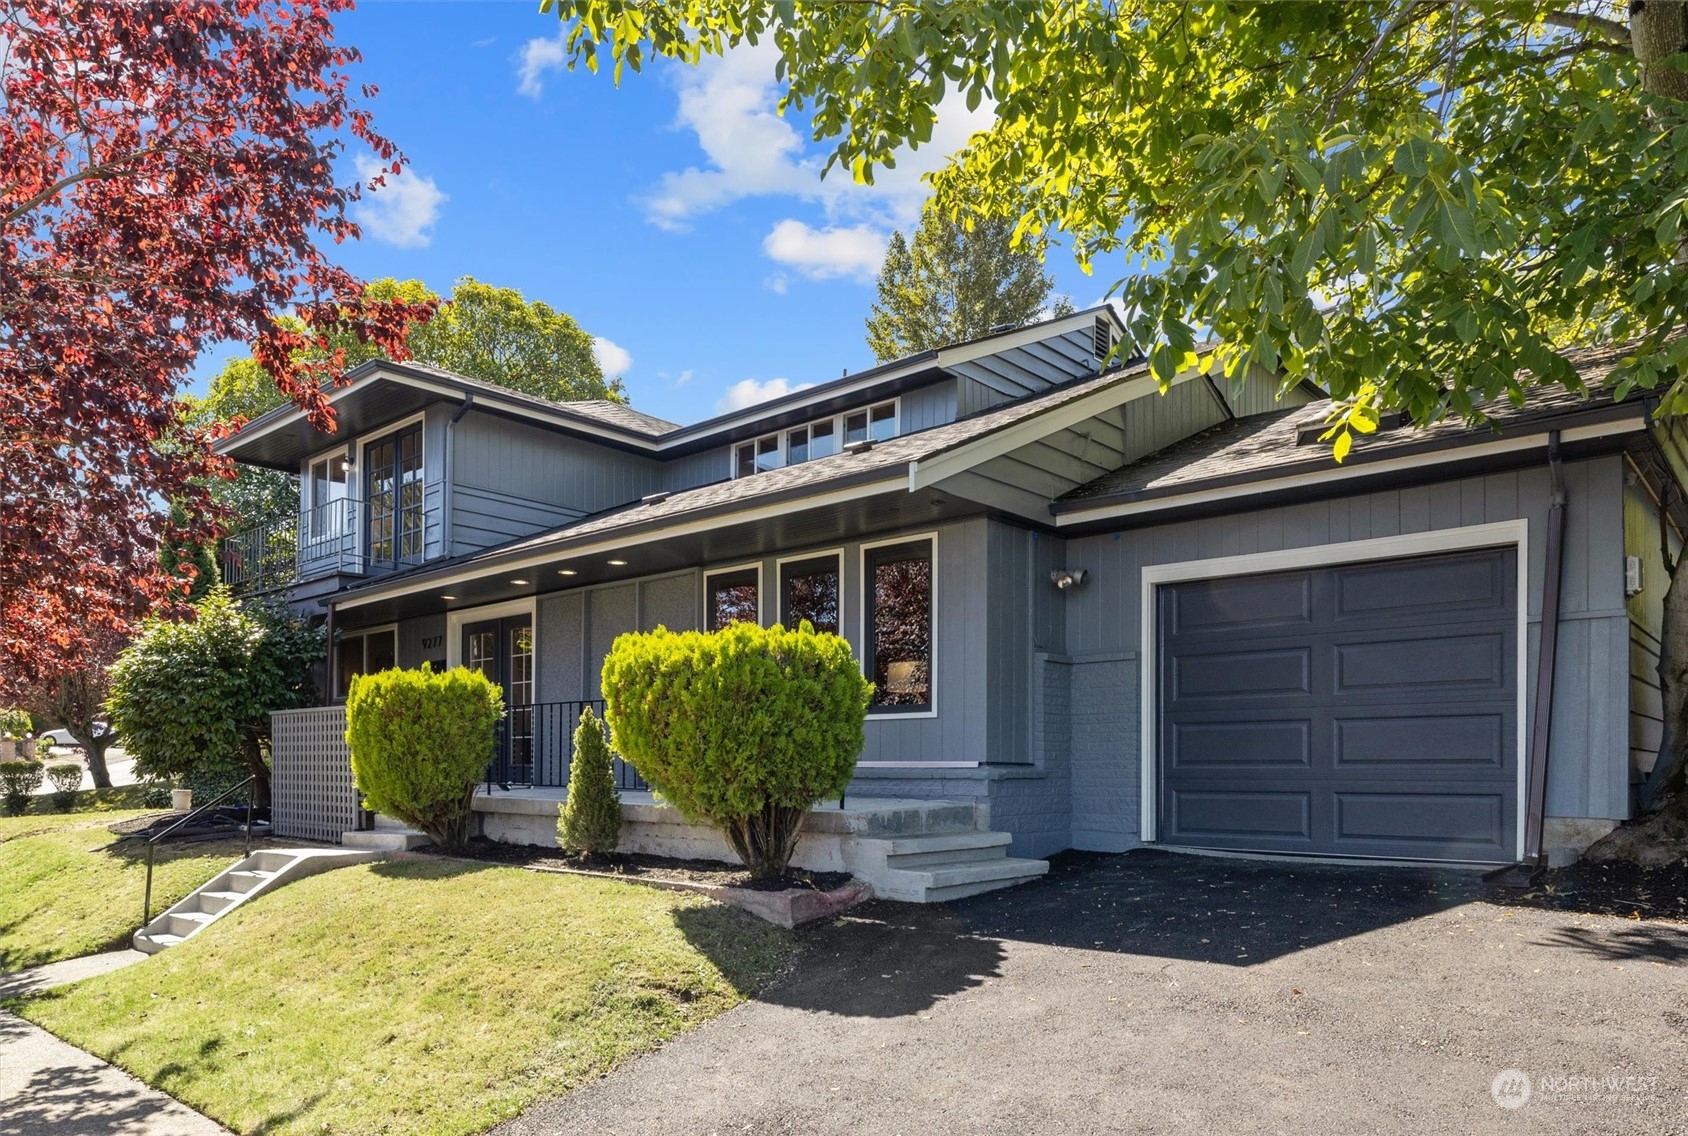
[{"x": 1361, "y": 710}]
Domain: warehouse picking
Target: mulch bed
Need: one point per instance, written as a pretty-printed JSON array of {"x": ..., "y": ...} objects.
[
  {"x": 1614, "y": 888},
  {"x": 638, "y": 867}
]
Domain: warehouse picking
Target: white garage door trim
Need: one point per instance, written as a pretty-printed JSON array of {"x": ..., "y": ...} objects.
[{"x": 1496, "y": 535}]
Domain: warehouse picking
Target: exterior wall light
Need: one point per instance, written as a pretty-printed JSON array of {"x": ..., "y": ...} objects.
[{"x": 1066, "y": 578}]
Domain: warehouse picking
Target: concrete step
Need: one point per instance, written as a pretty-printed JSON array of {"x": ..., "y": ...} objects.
[
  {"x": 955, "y": 848},
  {"x": 217, "y": 902},
  {"x": 386, "y": 839},
  {"x": 185, "y": 923},
  {"x": 938, "y": 883},
  {"x": 246, "y": 881}
]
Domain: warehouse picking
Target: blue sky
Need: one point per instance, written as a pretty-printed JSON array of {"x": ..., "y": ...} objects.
[{"x": 675, "y": 217}]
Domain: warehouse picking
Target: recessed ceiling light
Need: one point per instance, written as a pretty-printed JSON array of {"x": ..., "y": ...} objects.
[
  {"x": 618, "y": 563},
  {"x": 448, "y": 597},
  {"x": 518, "y": 583},
  {"x": 567, "y": 572}
]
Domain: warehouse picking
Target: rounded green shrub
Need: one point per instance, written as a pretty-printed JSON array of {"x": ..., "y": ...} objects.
[
  {"x": 18, "y": 782},
  {"x": 419, "y": 742},
  {"x": 743, "y": 728},
  {"x": 66, "y": 777},
  {"x": 590, "y": 820}
]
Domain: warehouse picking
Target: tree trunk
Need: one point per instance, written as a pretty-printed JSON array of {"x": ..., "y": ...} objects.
[
  {"x": 766, "y": 840},
  {"x": 95, "y": 749},
  {"x": 259, "y": 770},
  {"x": 1658, "y": 29},
  {"x": 1668, "y": 769}
]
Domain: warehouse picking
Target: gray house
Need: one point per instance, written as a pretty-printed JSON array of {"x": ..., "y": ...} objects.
[{"x": 1105, "y": 615}]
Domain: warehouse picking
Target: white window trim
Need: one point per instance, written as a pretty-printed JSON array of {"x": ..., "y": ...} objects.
[
  {"x": 359, "y": 633},
  {"x": 358, "y": 486},
  {"x": 861, "y": 624},
  {"x": 779, "y": 580},
  {"x": 705, "y": 621},
  {"x": 1499, "y": 534},
  {"x": 782, "y": 437},
  {"x": 307, "y": 495},
  {"x": 455, "y": 620}
]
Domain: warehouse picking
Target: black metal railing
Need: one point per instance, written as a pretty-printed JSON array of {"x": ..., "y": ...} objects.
[
  {"x": 535, "y": 747},
  {"x": 324, "y": 540},
  {"x": 153, "y": 838},
  {"x": 262, "y": 558}
]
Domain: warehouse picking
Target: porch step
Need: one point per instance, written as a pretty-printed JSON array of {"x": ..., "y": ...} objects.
[
  {"x": 384, "y": 840},
  {"x": 941, "y": 883},
  {"x": 259, "y": 873},
  {"x": 955, "y": 848}
]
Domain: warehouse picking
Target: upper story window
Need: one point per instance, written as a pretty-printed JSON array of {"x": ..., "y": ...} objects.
[{"x": 820, "y": 439}]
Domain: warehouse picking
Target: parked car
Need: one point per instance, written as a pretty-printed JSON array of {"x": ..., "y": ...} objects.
[{"x": 62, "y": 736}]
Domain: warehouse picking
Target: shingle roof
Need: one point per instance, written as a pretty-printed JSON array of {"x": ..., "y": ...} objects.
[
  {"x": 1271, "y": 444},
  {"x": 885, "y": 459},
  {"x": 623, "y": 415}
]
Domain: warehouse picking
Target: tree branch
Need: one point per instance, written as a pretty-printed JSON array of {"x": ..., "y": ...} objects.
[
  {"x": 1366, "y": 60},
  {"x": 1580, "y": 21}
]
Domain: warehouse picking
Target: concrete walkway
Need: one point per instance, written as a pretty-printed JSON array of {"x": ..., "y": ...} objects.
[{"x": 49, "y": 1088}]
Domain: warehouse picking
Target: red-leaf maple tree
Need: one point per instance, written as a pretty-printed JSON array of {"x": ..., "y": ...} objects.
[{"x": 167, "y": 182}]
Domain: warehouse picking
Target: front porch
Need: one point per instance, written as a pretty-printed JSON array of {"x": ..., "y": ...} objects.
[{"x": 922, "y": 851}]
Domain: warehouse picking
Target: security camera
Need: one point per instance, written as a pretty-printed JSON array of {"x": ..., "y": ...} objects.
[{"x": 1066, "y": 578}]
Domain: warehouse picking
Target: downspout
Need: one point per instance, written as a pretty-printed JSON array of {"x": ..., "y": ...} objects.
[
  {"x": 1541, "y": 723},
  {"x": 446, "y": 467}
]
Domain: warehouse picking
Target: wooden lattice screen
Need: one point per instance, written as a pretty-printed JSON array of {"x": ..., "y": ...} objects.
[{"x": 311, "y": 792}]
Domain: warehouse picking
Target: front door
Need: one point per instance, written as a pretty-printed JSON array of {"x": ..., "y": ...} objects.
[{"x": 502, "y": 650}]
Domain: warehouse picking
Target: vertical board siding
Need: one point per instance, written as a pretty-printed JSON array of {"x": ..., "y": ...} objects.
[
  {"x": 1258, "y": 393},
  {"x": 1589, "y": 755},
  {"x": 422, "y": 640},
  {"x": 510, "y": 479},
  {"x": 926, "y": 407},
  {"x": 1008, "y": 644},
  {"x": 312, "y": 796},
  {"x": 703, "y": 468}
]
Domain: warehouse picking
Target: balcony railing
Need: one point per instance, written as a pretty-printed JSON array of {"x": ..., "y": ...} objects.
[
  {"x": 536, "y": 747},
  {"x": 325, "y": 540}
]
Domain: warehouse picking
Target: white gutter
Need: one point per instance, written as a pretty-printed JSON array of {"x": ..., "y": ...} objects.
[{"x": 1339, "y": 473}]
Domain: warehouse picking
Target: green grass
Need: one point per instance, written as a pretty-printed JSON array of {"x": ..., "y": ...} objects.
[
  {"x": 67, "y": 890},
  {"x": 124, "y": 798},
  {"x": 425, "y": 997}
]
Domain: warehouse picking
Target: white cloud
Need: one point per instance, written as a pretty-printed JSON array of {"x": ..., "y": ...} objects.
[
  {"x": 485, "y": 41},
  {"x": 612, "y": 357},
  {"x": 537, "y": 57},
  {"x": 855, "y": 251},
  {"x": 685, "y": 377},
  {"x": 777, "y": 283},
  {"x": 402, "y": 209},
  {"x": 749, "y": 392},
  {"x": 729, "y": 103}
]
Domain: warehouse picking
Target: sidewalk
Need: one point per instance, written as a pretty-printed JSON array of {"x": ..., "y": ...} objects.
[{"x": 48, "y": 1088}]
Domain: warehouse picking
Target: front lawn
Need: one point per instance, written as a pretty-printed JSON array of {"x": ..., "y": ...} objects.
[
  {"x": 421, "y": 997},
  {"x": 66, "y": 889}
]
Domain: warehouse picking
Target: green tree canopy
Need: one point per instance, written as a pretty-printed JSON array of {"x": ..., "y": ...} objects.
[
  {"x": 193, "y": 697},
  {"x": 957, "y": 281},
  {"x": 1409, "y": 202}
]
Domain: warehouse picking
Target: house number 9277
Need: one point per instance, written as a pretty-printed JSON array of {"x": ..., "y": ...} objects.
[{"x": 432, "y": 642}]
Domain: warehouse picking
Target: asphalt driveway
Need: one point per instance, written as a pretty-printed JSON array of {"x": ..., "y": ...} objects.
[{"x": 1158, "y": 993}]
